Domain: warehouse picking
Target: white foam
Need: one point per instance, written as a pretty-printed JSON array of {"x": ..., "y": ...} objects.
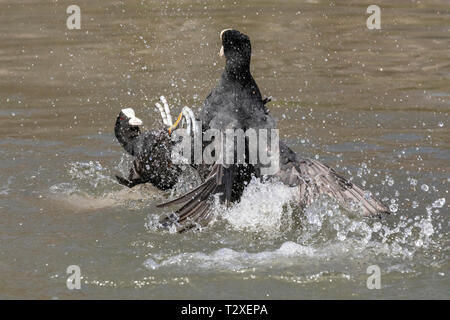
[
  {"x": 231, "y": 260},
  {"x": 261, "y": 207}
]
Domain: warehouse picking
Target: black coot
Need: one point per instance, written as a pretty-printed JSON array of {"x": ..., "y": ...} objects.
[
  {"x": 152, "y": 152},
  {"x": 236, "y": 103}
]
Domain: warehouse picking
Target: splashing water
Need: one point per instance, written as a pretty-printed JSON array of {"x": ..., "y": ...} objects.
[
  {"x": 267, "y": 217},
  {"x": 91, "y": 172},
  {"x": 90, "y": 187},
  {"x": 231, "y": 260},
  {"x": 261, "y": 207}
]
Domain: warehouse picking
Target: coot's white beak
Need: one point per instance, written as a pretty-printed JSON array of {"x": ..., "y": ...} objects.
[
  {"x": 223, "y": 31},
  {"x": 221, "y": 34},
  {"x": 134, "y": 121}
]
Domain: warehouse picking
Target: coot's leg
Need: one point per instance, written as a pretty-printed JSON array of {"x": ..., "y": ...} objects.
[
  {"x": 165, "y": 112},
  {"x": 267, "y": 100},
  {"x": 186, "y": 114}
]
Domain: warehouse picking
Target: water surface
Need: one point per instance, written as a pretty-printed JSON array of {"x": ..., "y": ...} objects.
[{"x": 372, "y": 103}]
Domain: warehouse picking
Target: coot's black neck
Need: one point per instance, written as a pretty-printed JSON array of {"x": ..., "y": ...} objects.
[
  {"x": 237, "y": 69},
  {"x": 126, "y": 135}
]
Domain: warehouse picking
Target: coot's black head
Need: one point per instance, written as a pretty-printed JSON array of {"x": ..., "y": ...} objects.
[
  {"x": 127, "y": 118},
  {"x": 236, "y": 48},
  {"x": 127, "y": 126}
]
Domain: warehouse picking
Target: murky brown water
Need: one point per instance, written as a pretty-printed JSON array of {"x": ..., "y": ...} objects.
[{"x": 373, "y": 103}]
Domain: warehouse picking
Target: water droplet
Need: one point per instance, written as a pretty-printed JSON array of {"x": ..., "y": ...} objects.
[
  {"x": 439, "y": 203},
  {"x": 390, "y": 182},
  {"x": 393, "y": 208}
]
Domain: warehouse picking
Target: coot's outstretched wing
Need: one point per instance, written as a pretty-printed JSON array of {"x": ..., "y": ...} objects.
[
  {"x": 314, "y": 179},
  {"x": 196, "y": 209}
]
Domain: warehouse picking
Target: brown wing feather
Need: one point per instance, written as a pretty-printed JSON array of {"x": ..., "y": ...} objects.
[
  {"x": 315, "y": 178},
  {"x": 312, "y": 177},
  {"x": 196, "y": 209}
]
